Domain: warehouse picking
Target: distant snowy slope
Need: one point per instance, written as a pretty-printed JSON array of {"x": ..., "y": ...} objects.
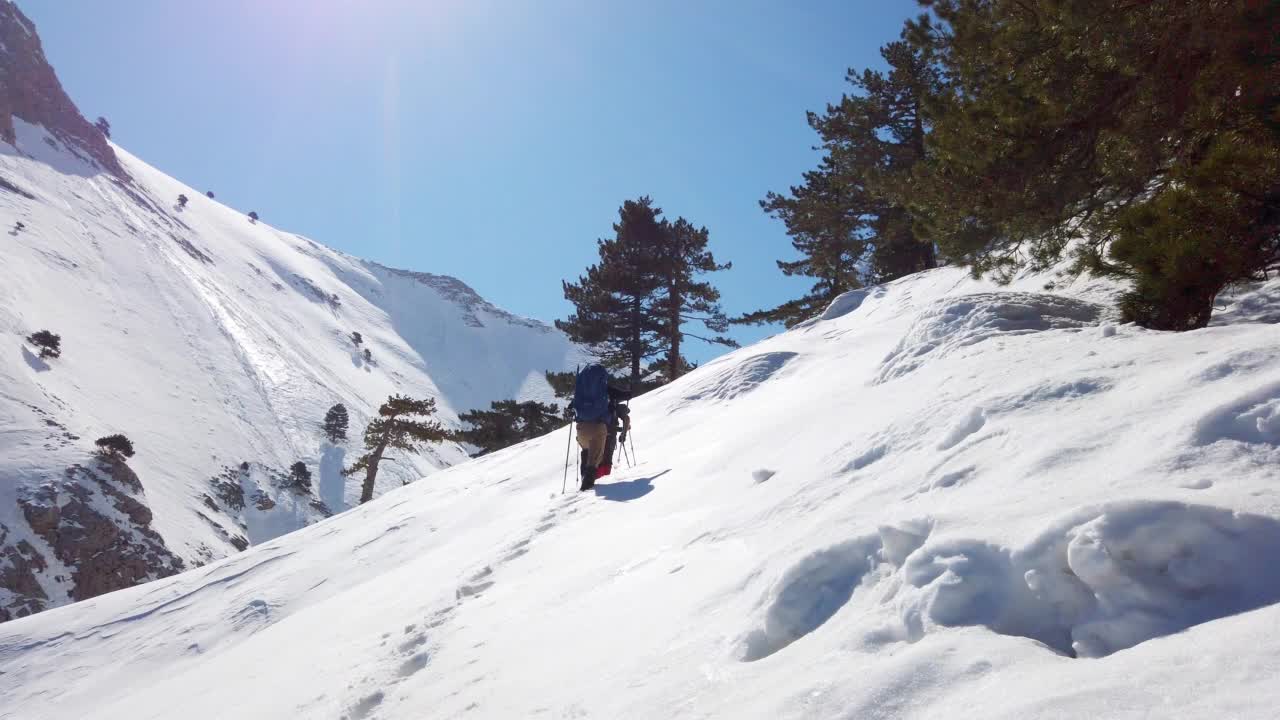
[
  {"x": 942, "y": 499},
  {"x": 216, "y": 345}
]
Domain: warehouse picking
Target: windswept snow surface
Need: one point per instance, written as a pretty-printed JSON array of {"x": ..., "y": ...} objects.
[
  {"x": 211, "y": 341},
  {"x": 940, "y": 500}
]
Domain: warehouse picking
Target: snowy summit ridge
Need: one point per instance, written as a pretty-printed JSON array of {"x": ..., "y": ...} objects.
[{"x": 214, "y": 342}]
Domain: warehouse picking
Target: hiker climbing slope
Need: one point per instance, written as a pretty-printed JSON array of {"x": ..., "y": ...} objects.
[
  {"x": 591, "y": 413},
  {"x": 619, "y": 423}
]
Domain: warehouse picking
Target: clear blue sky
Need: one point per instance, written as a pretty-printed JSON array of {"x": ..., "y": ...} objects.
[{"x": 492, "y": 141}]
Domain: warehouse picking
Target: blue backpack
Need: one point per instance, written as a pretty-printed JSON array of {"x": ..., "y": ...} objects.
[{"x": 591, "y": 395}]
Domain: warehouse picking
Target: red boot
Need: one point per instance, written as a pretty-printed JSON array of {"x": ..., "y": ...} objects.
[{"x": 603, "y": 469}]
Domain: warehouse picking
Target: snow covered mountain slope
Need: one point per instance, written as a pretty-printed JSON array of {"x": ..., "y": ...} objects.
[
  {"x": 214, "y": 343},
  {"x": 942, "y": 499}
]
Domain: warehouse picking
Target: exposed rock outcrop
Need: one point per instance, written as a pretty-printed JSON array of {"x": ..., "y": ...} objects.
[
  {"x": 29, "y": 90},
  {"x": 96, "y": 522}
]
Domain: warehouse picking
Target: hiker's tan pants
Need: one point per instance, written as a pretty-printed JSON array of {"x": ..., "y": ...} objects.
[{"x": 591, "y": 437}]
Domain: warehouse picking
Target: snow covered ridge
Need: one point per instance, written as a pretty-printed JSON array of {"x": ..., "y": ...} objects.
[
  {"x": 941, "y": 499},
  {"x": 216, "y": 345}
]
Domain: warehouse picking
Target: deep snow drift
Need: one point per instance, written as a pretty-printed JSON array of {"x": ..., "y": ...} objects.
[
  {"x": 941, "y": 499},
  {"x": 216, "y": 345}
]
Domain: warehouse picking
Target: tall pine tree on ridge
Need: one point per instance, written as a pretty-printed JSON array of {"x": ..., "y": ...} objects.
[
  {"x": 842, "y": 218},
  {"x": 633, "y": 305}
]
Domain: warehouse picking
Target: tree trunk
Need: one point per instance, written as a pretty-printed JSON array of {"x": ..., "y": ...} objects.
[
  {"x": 635, "y": 344},
  {"x": 371, "y": 472},
  {"x": 673, "y": 368},
  {"x": 917, "y": 141}
]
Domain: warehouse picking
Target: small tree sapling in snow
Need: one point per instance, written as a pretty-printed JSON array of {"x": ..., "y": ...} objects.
[
  {"x": 114, "y": 446},
  {"x": 299, "y": 476},
  {"x": 50, "y": 345},
  {"x": 335, "y": 423},
  {"x": 403, "y": 423}
]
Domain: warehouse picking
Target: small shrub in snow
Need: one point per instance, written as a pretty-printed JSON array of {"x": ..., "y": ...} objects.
[
  {"x": 50, "y": 345},
  {"x": 115, "y": 446},
  {"x": 299, "y": 476}
]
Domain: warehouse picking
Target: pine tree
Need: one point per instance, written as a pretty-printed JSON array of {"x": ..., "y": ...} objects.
[
  {"x": 103, "y": 126},
  {"x": 50, "y": 345},
  {"x": 1143, "y": 135},
  {"x": 335, "y": 423},
  {"x": 114, "y": 446},
  {"x": 299, "y": 476},
  {"x": 403, "y": 423},
  {"x": 843, "y": 219},
  {"x": 561, "y": 383},
  {"x": 182, "y": 200},
  {"x": 616, "y": 301},
  {"x": 507, "y": 423},
  {"x": 684, "y": 256}
]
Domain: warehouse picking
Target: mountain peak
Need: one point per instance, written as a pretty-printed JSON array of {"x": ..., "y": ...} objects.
[{"x": 30, "y": 91}]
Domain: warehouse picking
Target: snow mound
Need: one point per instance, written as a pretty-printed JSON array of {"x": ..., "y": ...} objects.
[
  {"x": 1253, "y": 418},
  {"x": 955, "y": 323},
  {"x": 739, "y": 379},
  {"x": 1258, "y": 303},
  {"x": 1101, "y": 581},
  {"x": 818, "y": 586},
  {"x": 850, "y": 301}
]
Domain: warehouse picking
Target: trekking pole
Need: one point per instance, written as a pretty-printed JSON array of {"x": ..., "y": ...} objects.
[
  {"x": 632, "y": 436},
  {"x": 567, "y": 448},
  {"x": 625, "y": 455}
]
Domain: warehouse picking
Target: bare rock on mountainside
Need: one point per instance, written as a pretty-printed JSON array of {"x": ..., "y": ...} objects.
[
  {"x": 29, "y": 90},
  {"x": 95, "y": 521}
]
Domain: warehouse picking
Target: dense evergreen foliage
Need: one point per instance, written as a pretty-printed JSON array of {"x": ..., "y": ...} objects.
[
  {"x": 506, "y": 423},
  {"x": 336, "y": 423},
  {"x": 634, "y": 305},
  {"x": 50, "y": 344},
  {"x": 115, "y": 446},
  {"x": 299, "y": 477},
  {"x": 842, "y": 218},
  {"x": 1140, "y": 139},
  {"x": 1143, "y": 137}
]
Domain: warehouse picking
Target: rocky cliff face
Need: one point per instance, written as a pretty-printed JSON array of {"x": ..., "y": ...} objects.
[
  {"x": 29, "y": 90},
  {"x": 95, "y": 525}
]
